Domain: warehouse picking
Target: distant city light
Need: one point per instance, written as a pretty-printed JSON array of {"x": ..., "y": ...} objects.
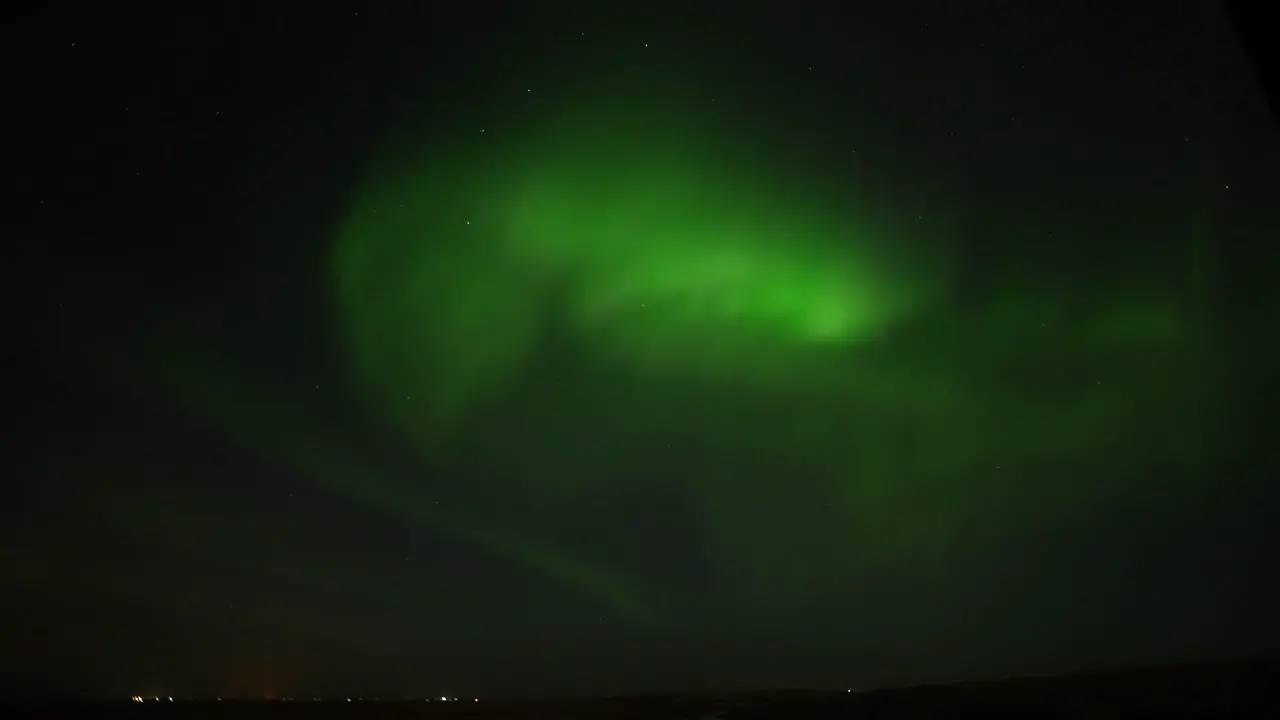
[{"x": 169, "y": 698}]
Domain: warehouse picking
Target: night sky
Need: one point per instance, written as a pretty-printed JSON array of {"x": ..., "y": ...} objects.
[{"x": 606, "y": 347}]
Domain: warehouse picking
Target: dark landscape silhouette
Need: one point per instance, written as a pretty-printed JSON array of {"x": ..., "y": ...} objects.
[{"x": 1244, "y": 688}]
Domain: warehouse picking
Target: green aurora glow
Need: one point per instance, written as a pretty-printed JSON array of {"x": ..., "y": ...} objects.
[{"x": 624, "y": 300}]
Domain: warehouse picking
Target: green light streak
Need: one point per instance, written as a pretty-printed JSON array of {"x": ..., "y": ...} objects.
[{"x": 627, "y": 280}]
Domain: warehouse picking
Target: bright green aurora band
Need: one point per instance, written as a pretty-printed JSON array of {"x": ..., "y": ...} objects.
[{"x": 625, "y": 300}]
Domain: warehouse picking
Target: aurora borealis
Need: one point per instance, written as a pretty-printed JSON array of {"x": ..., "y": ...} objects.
[
  {"x": 637, "y": 345},
  {"x": 750, "y": 309}
]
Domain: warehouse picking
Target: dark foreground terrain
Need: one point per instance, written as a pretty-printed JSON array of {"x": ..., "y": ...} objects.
[{"x": 1229, "y": 689}]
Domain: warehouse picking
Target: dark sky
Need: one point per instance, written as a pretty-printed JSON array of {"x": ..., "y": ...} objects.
[{"x": 608, "y": 347}]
